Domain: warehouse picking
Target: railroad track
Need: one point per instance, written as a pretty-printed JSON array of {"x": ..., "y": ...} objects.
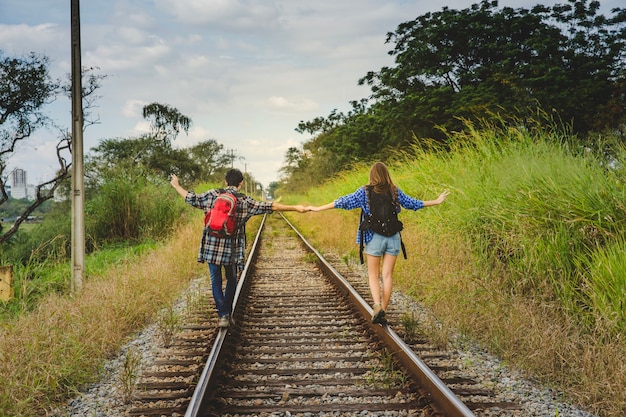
[{"x": 303, "y": 344}]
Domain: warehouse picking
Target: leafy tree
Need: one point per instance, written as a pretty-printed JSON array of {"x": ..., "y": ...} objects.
[
  {"x": 151, "y": 154},
  {"x": 212, "y": 161},
  {"x": 481, "y": 63},
  {"x": 271, "y": 189},
  {"x": 166, "y": 121},
  {"x": 202, "y": 162},
  {"x": 484, "y": 60},
  {"x": 25, "y": 88}
]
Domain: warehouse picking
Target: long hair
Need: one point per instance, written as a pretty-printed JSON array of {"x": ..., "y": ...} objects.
[{"x": 381, "y": 181}]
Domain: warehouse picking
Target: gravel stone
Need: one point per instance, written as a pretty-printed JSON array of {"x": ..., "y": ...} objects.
[{"x": 105, "y": 399}]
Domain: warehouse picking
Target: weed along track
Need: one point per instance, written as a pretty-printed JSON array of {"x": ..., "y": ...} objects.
[{"x": 302, "y": 344}]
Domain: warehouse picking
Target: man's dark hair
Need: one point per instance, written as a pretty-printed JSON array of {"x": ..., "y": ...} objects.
[{"x": 234, "y": 177}]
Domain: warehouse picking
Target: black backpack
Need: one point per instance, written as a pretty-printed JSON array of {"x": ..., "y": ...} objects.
[{"x": 383, "y": 217}]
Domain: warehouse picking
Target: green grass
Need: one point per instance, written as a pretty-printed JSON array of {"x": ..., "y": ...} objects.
[
  {"x": 37, "y": 279},
  {"x": 527, "y": 255}
]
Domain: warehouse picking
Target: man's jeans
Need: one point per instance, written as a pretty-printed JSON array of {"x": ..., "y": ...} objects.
[{"x": 223, "y": 299}]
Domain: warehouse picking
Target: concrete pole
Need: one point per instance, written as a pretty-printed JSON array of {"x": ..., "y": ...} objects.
[{"x": 78, "y": 196}]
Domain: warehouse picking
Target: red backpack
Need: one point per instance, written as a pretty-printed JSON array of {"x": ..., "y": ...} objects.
[{"x": 220, "y": 219}]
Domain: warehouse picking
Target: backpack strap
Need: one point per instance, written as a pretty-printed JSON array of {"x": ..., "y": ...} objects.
[
  {"x": 361, "y": 228},
  {"x": 362, "y": 232},
  {"x": 239, "y": 228},
  {"x": 402, "y": 246}
]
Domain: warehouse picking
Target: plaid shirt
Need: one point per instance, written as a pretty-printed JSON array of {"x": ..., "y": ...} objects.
[
  {"x": 218, "y": 250},
  {"x": 358, "y": 199}
]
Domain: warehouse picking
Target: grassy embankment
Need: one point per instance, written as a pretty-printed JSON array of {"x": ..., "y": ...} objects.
[
  {"x": 49, "y": 353},
  {"x": 527, "y": 255}
]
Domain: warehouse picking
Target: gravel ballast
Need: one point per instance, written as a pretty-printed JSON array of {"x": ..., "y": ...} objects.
[{"x": 105, "y": 398}]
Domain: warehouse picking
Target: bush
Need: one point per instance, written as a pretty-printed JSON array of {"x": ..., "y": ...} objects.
[{"x": 132, "y": 208}]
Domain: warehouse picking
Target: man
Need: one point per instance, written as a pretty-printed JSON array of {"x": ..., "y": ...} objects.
[{"x": 227, "y": 252}]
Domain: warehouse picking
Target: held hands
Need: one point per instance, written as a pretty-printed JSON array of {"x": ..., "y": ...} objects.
[
  {"x": 300, "y": 208},
  {"x": 304, "y": 209}
]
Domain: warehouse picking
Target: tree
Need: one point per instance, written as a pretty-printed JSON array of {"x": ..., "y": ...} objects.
[
  {"x": 212, "y": 160},
  {"x": 25, "y": 88},
  {"x": 151, "y": 155},
  {"x": 481, "y": 63},
  {"x": 482, "y": 60},
  {"x": 204, "y": 161},
  {"x": 271, "y": 189},
  {"x": 166, "y": 121}
]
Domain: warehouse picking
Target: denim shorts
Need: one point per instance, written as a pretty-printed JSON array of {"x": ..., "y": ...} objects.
[{"x": 380, "y": 245}]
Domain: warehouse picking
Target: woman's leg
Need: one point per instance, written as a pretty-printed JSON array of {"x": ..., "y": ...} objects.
[
  {"x": 373, "y": 268},
  {"x": 389, "y": 262}
]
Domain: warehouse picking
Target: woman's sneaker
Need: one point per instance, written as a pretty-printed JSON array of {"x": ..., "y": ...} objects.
[{"x": 379, "y": 315}]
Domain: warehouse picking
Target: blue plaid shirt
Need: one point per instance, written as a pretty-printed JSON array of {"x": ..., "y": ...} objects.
[
  {"x": 218, "y": 250},
  {"x": 358, "y": 199}
]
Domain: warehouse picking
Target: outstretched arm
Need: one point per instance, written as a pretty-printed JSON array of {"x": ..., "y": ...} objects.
[
  {"x": 439, "y": 200},
  {"x": 284, "y": 207},
  {"x": 176, "y": 185},
  {"x": 322, "y": 208}
]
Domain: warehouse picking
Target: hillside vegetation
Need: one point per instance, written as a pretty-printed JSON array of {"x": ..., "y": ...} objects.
[{"x": 527, "y": 255}]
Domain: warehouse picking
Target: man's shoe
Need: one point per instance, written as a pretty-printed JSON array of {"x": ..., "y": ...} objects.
[
  {"x": 379, "y": 315},
  {"x": 224, "y": 322}
]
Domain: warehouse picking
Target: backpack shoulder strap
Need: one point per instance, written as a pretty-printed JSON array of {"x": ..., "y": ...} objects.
[{"x": 362, "y": 220}]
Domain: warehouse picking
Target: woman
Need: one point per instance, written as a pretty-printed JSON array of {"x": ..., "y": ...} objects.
[{"x": 377, "y": 245}]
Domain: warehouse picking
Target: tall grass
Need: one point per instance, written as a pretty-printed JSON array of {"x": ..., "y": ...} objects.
[
  {"x": 526, "y": 255},
  {"x": 35, "y": 280},
  {"x": 543, "y": 213},
  {"x": 50, "y": 352}
]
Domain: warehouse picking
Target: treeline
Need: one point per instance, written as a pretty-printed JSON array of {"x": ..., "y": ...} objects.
[
  {"x": 565, "y": 64},
  {"x": 128, "y": 202},
  {"x": 127, "y": 193}
]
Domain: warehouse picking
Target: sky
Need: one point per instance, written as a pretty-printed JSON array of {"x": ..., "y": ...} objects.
[{"x": 245, "y": 71}]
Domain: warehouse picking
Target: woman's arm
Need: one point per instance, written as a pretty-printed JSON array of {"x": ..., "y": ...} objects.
[
  {"x": 321, "y": 208},
  {"x": 439, "y": 200}
]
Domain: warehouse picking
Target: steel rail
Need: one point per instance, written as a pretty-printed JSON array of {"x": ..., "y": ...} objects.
[
  {"x": 193, "y": 409},
  {"x": 444, "y": 399}
]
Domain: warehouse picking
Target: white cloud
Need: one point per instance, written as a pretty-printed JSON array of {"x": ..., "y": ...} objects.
[
  {"x": 133, "y": 108},
  {"x": 281, "y": 103},
  {"x": 245, "y": 71},
  {"x": 44, "y": 39},
  {"x": 233, "y": 14}
]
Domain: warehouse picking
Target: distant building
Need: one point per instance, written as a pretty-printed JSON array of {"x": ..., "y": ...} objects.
[
  {"x": 19, "y": 177},
  {"x": 20, "y": 188}
]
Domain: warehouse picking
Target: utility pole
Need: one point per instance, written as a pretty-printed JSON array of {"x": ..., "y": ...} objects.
[
  {"x": 245, "y": 182},
  {"x": 78, "y": 196}
]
